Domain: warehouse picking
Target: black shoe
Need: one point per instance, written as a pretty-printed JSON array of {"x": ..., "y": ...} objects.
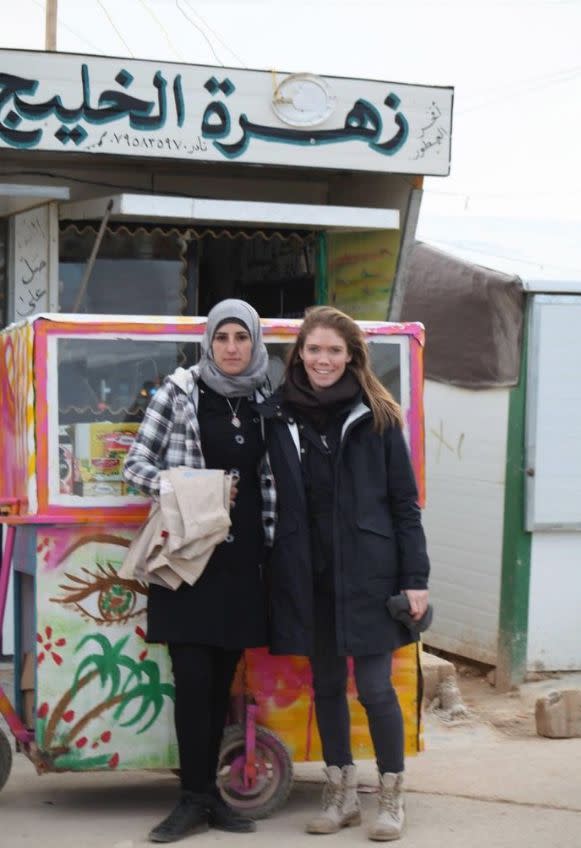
[
  {"x": 190, "y": 815},
  {"x": 223, "y": 817}
]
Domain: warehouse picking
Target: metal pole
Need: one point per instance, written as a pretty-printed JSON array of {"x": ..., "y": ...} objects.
[
  {"x": 92, "y": 257},
  {"x": 50, "y": 25},
  {"x": 407, "y": 242}
]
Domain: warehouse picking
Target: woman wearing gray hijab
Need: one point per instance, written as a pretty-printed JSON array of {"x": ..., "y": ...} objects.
[{"x": 204, "y": 417}]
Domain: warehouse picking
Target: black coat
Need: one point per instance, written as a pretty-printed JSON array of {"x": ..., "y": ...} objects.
[
  {"x": 226, "y": 606},
  {"x": 378, "y": 541}
]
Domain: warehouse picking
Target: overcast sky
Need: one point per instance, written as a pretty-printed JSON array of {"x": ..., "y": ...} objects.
[{"x": 515, "y": 66}]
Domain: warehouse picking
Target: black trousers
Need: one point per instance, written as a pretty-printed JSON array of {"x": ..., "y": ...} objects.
[
  {"x": 203, "y": 676},
  {"x": 375, "y": 690}
]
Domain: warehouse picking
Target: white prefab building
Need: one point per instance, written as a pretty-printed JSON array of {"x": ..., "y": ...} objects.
[
  {"x": 466, "y": 434},
  {"x": 503, "y": 462}
]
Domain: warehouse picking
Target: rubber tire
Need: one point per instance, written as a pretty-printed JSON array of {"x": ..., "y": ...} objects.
[
  {"x": 270, "y": 748},
  {"x": 5, "y": 759}
]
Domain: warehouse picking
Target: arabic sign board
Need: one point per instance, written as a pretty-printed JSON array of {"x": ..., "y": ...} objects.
[
  {"x": 61, "y": 102},
  {"x": 31, "y": 270}
]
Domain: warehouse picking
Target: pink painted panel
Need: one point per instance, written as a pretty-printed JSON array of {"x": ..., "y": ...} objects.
[{"x": 17, "y": 461}]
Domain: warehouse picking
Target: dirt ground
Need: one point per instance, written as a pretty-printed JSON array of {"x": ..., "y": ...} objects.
[{"x": 512, "y": 713}]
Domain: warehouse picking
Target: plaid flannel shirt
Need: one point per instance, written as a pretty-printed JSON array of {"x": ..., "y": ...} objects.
[{"x": 169, "y": 436}]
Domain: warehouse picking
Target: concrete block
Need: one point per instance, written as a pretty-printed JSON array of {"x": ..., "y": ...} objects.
[
  {"x": 558, "y": 714},
  {"x": 435, "y": 670}
]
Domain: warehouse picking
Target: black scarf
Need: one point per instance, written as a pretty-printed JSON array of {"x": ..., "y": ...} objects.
[{"x": 319, "y": 407}]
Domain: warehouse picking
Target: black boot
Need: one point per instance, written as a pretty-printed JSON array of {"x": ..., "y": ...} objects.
[
  {"x": 223, "y": 817},
  {"x": 190, "y": 815}
]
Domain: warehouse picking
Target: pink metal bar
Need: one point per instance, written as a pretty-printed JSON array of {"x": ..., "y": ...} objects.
[
  {"x": 250, "y": 770},
  {"x": 18, "y": 730},
  {"x": 5, "y": 571},
  {"x": 6, "y": 709}
]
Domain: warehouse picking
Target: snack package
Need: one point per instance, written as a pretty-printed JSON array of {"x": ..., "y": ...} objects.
[
  {"x": 106, "y": 468},
  {"x": 66, "y": 460},
  {"x": 100, "y": 450},
  {"x": 99, "y": 489}
]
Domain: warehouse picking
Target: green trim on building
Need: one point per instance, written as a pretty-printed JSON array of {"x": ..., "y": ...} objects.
[
  {"x": 322, "y": 273},
  {"x": 516, "y": 544}
]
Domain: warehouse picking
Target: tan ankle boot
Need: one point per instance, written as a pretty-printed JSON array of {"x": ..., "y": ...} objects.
[
  {"x": 340, "y": 802},
  {"x": 390, "y": 815}
]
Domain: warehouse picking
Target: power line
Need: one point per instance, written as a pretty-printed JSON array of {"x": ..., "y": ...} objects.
[
  {"x": 112, "y": 22},
  {"x": 525, "y": 87},
  {"x": 522, "y": 260},
  {"x": 215, "y": 34},
  {"x": 503, "y": 194},
  {"x": 542, "y": 78},
  {"x": 162, "y": 28},
  {"x": 201, "y": 31}
]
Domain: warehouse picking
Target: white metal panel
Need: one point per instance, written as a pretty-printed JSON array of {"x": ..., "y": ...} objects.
[
  {"x": 465, "y": 474},
  {"x": 30, "y": 269},
  {"x": 553, "y": 286},
  {"x": 17, "y": 197},
  {"x": 8, "y": 627},
  {"x": 553, "y": 419},
  {"x": 554, "y": 643},
  {"x": 159, "y": 207}
]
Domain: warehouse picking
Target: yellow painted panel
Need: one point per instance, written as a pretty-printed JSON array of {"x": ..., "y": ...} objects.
[
  {"x": 282, "y": 689},
  {"x": 361, "y": 270}
]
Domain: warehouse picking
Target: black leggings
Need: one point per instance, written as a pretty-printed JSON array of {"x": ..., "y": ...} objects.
[
  {"x": 375, "y": 690},
  {"x": 203, "y": 676}
]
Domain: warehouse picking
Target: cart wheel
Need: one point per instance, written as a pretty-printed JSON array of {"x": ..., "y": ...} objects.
[
  {"x": 274, "y": 772},
  {"x": 5, "y": 759}
]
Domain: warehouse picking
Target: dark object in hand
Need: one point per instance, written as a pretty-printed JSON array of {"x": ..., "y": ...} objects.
[{"x": 399, "y": 608}]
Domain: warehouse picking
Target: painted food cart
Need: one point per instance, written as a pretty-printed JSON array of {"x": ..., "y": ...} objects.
[{"x": 90, "y": 693}]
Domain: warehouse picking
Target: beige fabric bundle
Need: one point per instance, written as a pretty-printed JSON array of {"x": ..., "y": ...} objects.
[{"x": 179, "y": 536}]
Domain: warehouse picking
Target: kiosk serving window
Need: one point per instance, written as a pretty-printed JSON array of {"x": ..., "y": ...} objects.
[
  {"x": 99, "y": 385},
  {"x": 103, "y": 386}
]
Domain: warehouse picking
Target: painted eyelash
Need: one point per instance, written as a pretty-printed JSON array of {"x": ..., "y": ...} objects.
[{"x": 104, "y": 580}]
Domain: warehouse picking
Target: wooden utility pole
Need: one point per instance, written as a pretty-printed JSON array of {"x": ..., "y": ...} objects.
[{"x": 50, "y": 27}]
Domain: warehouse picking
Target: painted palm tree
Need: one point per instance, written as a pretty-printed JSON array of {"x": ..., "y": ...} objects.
[
  {"x": 149, "y": 690},
  {"x": 123, "y": 681}
]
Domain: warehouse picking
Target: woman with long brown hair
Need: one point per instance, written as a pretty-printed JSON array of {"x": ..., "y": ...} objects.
[{"x": 348, "y": 537}]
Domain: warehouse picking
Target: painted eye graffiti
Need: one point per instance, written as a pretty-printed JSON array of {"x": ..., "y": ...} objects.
[{"x": 102, "y": 596}]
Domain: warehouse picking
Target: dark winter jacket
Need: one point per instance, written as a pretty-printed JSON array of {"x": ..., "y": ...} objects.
[{"x": 378, "y": 541}]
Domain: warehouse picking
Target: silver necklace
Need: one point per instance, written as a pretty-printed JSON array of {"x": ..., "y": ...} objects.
[{"x": 235, "y": 420}]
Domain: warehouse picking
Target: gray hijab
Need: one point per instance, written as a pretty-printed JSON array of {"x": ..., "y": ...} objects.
[{"x": 255, "y": 374}]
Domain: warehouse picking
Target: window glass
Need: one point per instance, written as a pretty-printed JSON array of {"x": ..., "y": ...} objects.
[
  {"x": 140, "y": 272},
  {"x": 275, "y": 274},
  {"x": 104, "y": 387},
  {"x": 386, "y": 363}
]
